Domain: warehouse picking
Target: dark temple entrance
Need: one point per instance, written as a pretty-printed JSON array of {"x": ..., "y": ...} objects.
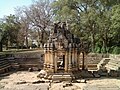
[{"x": 61, "y": 63}]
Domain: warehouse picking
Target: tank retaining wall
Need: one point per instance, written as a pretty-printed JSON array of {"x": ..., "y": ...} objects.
[
  {"x": 21, "y": 61},
  {"x": 35, "y": 60}
]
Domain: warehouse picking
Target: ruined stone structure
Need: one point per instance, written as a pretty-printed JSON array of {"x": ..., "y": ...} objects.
[{"x": 62, "y": 50}]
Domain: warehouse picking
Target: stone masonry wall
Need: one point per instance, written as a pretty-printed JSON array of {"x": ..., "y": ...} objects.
[
  {"x": 92, "y": 59},
  {"x": 28, "y": 60}
]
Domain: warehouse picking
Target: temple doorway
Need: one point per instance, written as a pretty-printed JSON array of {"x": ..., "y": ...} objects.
[{"x": 61, "y": 63}]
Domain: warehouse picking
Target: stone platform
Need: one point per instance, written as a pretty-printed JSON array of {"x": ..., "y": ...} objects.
[{"x": 62, "y": 77}]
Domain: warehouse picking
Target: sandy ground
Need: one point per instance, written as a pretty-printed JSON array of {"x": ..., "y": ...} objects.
[
  {"x": 23, "y": 80},
  {"x": 103, "y": 84}
]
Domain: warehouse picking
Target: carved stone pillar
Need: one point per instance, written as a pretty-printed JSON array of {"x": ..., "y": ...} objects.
[
  {"x": 78, "y": 60},
  {"x": 85, "y": 61},
  {"x": 66, "y": 61},
  {"x": 70, "y": 62},
  {"x": 52, "y": 61},
  {"x": 55, "y": 62},
  {"x": 73, "y": 58},
  {"x": 75, "y": 61},
  {"x": 48, "y": 60},
  {"x": 45, "y": 58}
]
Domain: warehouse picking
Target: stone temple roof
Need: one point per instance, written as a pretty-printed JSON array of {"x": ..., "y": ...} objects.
[{"x": 62, "y": 37}]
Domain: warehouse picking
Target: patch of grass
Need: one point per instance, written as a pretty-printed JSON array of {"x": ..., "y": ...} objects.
[{"x": 13, "y": 51}]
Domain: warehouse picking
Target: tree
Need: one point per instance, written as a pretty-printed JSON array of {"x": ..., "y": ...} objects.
[
  {"x": 91, "y": 20},
  {"x": 10, "y": 26},
  {"x": 116, "y": 23},
  {"x": 1, "y": 37},
  {"x": 39, "y": 14},
  {"x": 115, "y": 28},
  {"x": 81, "y": 16}
]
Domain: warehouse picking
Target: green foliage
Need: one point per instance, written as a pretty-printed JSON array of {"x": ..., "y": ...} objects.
[
  {"x": 64, "y": 10},
  {"x": 103, "y": 50},
  {"x": 10, "y": 27},
  {"x": 115, "y": 17},
  {"x": 115, "y": 26},
  {"x": 116, "y": 50},
  {"x": 97, "y": 49},
  {"x": 92, "y": 21}
]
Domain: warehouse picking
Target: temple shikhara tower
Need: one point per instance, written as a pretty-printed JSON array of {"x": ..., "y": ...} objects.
[{"x": 62, "y": 50}]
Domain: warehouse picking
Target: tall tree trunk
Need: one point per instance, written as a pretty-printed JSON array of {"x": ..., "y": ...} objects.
[
  {"x": 105, "y": 39},
  {"x": 42, "y": 37},
  {"x": 1, "y": 47},
  {"x": 104, "y": 46},
  {"x": 92, "y": 33},
  {"x": 93, "y": 42},
  {"x": 38, "y": 37},
  {"x": 17, "y": 45},
  {"x": 26, "y": 40}
]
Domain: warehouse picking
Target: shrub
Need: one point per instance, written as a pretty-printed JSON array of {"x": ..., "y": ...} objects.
[{"x": 116, "y": 50}]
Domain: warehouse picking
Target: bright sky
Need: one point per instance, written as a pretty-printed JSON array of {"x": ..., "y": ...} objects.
[{"x": 7, "y": 6}]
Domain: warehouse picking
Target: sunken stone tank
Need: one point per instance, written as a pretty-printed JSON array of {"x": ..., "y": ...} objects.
[{"x": 62, "y": 50}]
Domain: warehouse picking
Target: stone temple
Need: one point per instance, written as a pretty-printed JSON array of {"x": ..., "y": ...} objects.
[{"x": 62, "y": 50}]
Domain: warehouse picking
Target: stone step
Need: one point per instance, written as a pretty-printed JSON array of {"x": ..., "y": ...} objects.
[
  {"x": 105, "y": 60},
  {"x": 112, "y": 67},
  {"x": 9, "y": 58},
  {"x": 4, "y": 65},
  {"x": 3, "y": 61},
  {"x": 14, "y": 63},
  {"x": 115, "y": 64},
  {"x": 102, "y": 63},
  {"x": 92, "y": 68},
  {"x": 2, "y": 69},
  {"x": 62, "y": 78},
  {"x": 2, "y": 56}
]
